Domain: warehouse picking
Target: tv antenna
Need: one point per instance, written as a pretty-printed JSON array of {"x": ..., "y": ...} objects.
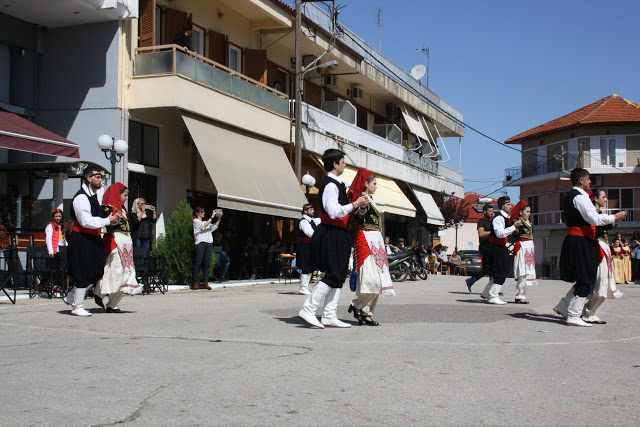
[
  {"x": 425, "y": 51},
  {"x": 379, "y": 30}
]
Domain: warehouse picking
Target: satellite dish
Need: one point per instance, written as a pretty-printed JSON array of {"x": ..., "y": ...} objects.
[{"x": 418, "y": 71}]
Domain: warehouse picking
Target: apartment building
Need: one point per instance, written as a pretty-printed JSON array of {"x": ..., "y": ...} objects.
[
  {"x": 208, "y": 124},
  {"x": 603, "y": 137}
]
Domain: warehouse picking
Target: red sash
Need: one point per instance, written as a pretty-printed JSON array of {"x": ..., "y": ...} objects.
[
  {"x": 496, "y": 241},
  {"x": 305, "y": 239},
  {"x": 338, "y": 222},
  {"x": 588, "y": 231},
  {"x": 601, "y": 254},
  {"x": 517, "y": 246},
  {"x": 109, "y": 243},
  {"x": 80, "y": 229}
]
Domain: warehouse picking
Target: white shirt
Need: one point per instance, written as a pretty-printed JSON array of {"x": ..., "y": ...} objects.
[
  {"x": 330, "y": 200},
  {"x": 443, "y": 256},
  {"x": 499, "y": 225},
  {"x": 82, "y": 209},
  {"x": 583, "y": 204},
  {"x": 305, "y": 225},
  {"x": 201, "y": 233},
  {"x": 48, "y": 238},
  {"x": 388, "y": 246}
]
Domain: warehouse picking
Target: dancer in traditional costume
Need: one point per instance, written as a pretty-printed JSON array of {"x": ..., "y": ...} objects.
[
  {"x": 372, "y": 264},
  {"x": 626, "y": 261},
  {"x": 86, "y": 257},
  {"x": 579, "y": 253},
  {"x": 618, "y": 261},
  {"x": 331, "y": 243},
  {"x": 119, "y": 276},
  {"x": 306, "y": 228},
  {"x": 496, "y": 257},
  {"x": 605, "y": 283},
  {"x": 524, "y": 256}
]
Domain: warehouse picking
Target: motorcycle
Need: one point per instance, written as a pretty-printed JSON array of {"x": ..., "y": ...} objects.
[
  {"x": 399, "y": 266},
  {"x": 416, "y": 270}
]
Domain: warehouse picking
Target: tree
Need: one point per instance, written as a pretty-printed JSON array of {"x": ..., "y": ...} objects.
[{"x": 454, "y": 209}]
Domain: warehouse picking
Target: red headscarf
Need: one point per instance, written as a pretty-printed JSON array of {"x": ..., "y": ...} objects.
[
  {"x": 515, "y": 211},
  {"x": 357, "y": 186},
  {"x": 112, "y": 198}
]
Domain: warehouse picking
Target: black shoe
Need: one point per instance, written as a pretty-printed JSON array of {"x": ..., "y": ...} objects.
[
  {"x": 369, "y": 321},
  {"x": 358, "y": 317},
  {"x": 113, "y": 310},
  {"x": 98, "y": 300},
  {"x": 521, "y": 301},
  {"x": 469, "y": 284},
  {"x": 500, "y": 293}
]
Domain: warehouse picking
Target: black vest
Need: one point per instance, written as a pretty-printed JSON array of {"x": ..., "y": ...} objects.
[
  {"x": 571, "y": 214},
  {"x": 492, "y": 231},
  {"x": 93, "y": 200},
  {"x": 342, "y": 192},
  {"x": 301, "y": 234}
]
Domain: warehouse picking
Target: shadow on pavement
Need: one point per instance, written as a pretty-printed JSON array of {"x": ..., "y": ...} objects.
[
  {"x": 288, "y": 293},
  {"x": 548, "y": 318}
]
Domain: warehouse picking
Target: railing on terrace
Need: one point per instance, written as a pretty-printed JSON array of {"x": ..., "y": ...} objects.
[
  {"x": 327, "y": 123},
  {"x": 571, "y": 160},
  {"x": 557, "y": 217},
  {"x": 173, "y": 59}
]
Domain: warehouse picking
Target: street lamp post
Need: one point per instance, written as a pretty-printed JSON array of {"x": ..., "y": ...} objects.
[
  {"x": 309, "y": 181},
  {"x": 113, "y": 150},
  {"x": 457, "y": 225}
]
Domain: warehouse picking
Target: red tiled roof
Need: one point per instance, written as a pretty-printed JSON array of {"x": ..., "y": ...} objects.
[
  {"x": 610, "y": 110},
  {"x": 472, "y": 199}
]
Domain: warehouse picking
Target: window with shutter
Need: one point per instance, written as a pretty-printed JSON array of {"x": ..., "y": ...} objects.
[
  {"x": 255, "y": 64},
  {"x": 217, "y": 47},
  {"x": 147, "y": 23}
]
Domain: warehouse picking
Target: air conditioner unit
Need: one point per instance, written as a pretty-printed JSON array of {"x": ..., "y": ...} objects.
[
  {"x": 330, "y": 81},
  {"x": 357, "y": 93},
  {"x": 393, "y": 111}
]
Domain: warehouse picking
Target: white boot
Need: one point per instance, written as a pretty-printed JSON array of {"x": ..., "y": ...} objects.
[
  {"x": 69, "y": 298},
  {"x": 329, "y": 313},
  {"x": 563, "y": 306},
  {"x": 591, "y": 308},
  {"x": 485, "y": 293},
  {"x": 494, "y": 295},
  {"x": 308, "y": 310},
  {"x": 521, "y": 288},
  {"x": 304, "y": 284},
  {"x": 78, "y": 303},
  {"x": 576, "y": 305}
]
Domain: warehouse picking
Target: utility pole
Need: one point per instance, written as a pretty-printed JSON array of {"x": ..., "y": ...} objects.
[{"x": 298, "y": 89}]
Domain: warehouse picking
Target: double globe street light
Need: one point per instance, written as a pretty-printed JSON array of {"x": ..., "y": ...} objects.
[
  {"x": 309, "y": 181},
  {"x": 113, "y": 150}
]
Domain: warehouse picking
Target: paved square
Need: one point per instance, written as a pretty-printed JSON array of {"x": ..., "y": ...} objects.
[{"x": 240, "y": 356}]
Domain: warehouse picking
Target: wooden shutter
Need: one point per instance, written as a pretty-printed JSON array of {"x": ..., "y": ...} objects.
[
  {"x": 147, "y": 23},
  {"x": 175, "y": 20},
  {"x": 255, "y": 64},
  {"x": 218, "y": 48}
]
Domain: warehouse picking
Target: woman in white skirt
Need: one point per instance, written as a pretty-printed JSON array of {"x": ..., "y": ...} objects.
[
  {"x": 372, "y": 264},
  {"x": 524, "y": 256},
  {"x": 119, "y": 276},
  {"x": 605, "y": 285}
]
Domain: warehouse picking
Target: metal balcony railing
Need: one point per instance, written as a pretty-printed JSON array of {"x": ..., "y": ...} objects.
[
  {"x": 557, "y": 217},
  {"x": 327, "y": 123},
  {"x": 175, "y": 60}
]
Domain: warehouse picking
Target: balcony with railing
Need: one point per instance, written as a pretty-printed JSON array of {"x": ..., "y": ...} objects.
[
  {"x": 567, "y": 161},
  {"x": 175, "y": 60},
  {"x": 332, "y": 125}
]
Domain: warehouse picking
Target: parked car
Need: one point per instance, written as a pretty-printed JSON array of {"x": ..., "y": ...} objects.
[{"x": 474, "y": 263}]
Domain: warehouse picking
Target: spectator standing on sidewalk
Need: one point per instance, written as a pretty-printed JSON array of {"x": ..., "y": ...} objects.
[
  {"x": 484, "y": 232},
  {"x": 142, "y": 218},
  {"x": 204, "y": 245}
]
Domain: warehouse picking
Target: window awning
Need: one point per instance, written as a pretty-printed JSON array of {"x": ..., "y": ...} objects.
[
  {"x": 431, "y": 210},
  {"x": 20, "y": 134},
  {"x": 413, "y": 122},
  {"x": 250, "y": 173},
  {"x": 389, "y": 197}
]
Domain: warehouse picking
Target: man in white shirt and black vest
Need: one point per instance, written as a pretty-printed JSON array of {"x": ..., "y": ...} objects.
[
  {"x": 578, "y": 257},
  {"x": 306, "y": 228},
  {"x": 495, "y": 260},
  {"x": 331, "y": 243},
  {"x": 86, "y": 255}
]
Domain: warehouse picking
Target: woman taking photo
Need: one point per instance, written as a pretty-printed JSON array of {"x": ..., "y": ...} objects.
[
  {"x": 202, "y": 233},
  {"x": 143, "y": 217},
  {"x": 372, "y": 264},
  {"x": 119, "y": 276},
  {"x": 524, "y": 257}
]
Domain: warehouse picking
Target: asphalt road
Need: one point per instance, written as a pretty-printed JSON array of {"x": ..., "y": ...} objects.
[{"x": 240, "y": 356}]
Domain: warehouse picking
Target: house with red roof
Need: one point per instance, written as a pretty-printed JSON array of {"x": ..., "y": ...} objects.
[
  {"x": 467, "y": 235},
  {"x": 604, "y": 138}
]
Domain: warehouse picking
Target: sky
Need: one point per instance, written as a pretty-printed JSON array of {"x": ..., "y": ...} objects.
[{"x": 507, "y": 65}]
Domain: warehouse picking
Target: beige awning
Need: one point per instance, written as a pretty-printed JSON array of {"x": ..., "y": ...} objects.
[
  {"x": 389, "y": 197},
  {"x": 429, "y": 206},
  {"x": 250, "y": 173}
]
